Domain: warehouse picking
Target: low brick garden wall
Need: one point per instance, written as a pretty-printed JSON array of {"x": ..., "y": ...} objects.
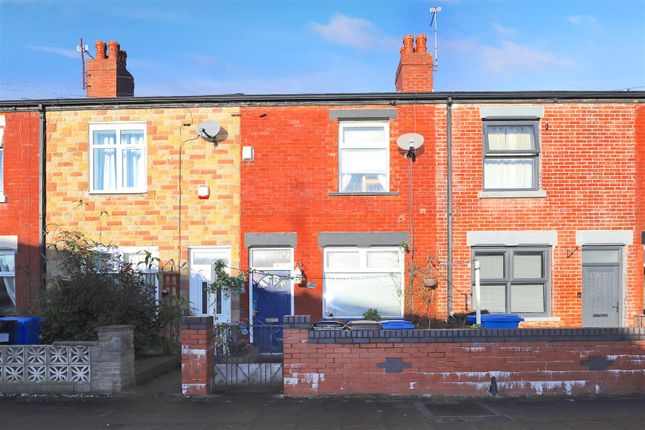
[
  {"x": 504, "y": 362},
  {"x": 104, "y": 366}
]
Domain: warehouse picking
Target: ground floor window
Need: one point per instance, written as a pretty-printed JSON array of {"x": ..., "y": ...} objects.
[
  {"x": 143, "y": 260},
  {"x": 7, "y": 281},
  {"x": 514, "y": 279},
  {"x": 357, "y": 279}
]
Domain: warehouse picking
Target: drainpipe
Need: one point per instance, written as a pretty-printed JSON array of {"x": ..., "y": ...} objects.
[
  {"x": 449, "y": 201},
  {"x": 42, "y": 224}
]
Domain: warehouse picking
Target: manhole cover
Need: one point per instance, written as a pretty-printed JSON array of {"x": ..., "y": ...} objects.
[{"x": 467, "y": 409}]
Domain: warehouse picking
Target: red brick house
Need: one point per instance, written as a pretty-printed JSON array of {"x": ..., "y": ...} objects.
[
  {"x": 20, "y": 212},
  {"x": 544, "y": 193}
]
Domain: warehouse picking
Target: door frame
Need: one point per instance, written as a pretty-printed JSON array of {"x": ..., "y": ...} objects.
[
  {"x": 290, "y": 269},
  {"x": 621, "y": 277},
  {"x": 190, "y": 265}
]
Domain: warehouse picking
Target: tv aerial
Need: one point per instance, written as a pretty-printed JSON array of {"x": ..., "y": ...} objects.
[
  {"x": 409, "y": 143},
  {"x": 208, "y": 130},
  {"x": 434, "y": 23}
]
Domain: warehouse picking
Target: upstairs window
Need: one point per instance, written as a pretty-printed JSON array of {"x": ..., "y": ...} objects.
[
  {"x": 511, "y": 155},
  {"x": 118, "y": 158},
  {"x": 364, "y": 157}
]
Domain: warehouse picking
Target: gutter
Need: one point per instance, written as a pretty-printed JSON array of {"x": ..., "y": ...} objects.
[
  {"x": 336, "y": 98},
  {"x": 42, "y": 224},
  {"x": 449, "y": 203}
]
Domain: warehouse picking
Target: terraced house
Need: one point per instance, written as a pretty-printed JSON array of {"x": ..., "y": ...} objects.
[{"x": 318, "y": 197}]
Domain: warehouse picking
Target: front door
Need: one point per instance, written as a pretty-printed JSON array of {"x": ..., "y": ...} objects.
[
  {"x": 601, "y": 278},
  {"x": 203, "y": 302},
  {"x": 271, "y": 296}
]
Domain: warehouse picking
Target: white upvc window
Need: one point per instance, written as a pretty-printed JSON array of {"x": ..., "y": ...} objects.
[
  {"x": 7, "y": 280},
  {"x": 357, "y": 279},
  {"x": 112, "y": 259},
  {"x": 363, "y": 157},
  {"x": 2, "y": 124},
  {"x": 118, "y": 157}
]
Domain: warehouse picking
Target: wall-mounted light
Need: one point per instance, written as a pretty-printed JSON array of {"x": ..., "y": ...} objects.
[
  {"x": 203, "y": 191},
  {"x": 298, "y": 275}
]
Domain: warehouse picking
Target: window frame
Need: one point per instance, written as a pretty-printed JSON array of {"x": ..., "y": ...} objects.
[
  {"x": 10, "y": 274},
  {"x": 386, "y": 145},
  {"x": 508, "y": 280},
  {"x": 533, "y": 154},
  {"x": 363, "y": 268},
  {"x": 118, "y": 127}
]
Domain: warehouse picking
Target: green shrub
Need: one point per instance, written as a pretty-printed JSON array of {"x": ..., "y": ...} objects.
[
  {"x": 92, "y": 292},
  {"x": 372, "y": 314}
]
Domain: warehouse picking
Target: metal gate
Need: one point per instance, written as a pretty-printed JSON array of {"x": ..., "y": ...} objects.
[{"x": 242, "y": 363}]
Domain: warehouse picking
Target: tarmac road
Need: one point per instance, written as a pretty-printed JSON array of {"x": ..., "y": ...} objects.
[{"x": 159, "y": 406}]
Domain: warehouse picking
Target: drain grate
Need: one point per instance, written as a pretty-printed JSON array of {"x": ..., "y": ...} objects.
[{"x": 466, "y": 409}]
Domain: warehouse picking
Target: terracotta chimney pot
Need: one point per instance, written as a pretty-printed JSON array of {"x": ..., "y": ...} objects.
[
  {"x": 100, "y": 50},
  {"x": 408, "y": 41},
  {"x": 113, "y": 50},
  {"x": 422, "y": 41}
]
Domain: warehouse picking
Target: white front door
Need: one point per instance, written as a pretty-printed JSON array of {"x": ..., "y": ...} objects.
[{"x": 202, "y": 302}]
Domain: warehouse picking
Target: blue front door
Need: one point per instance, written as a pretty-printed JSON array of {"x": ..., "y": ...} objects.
[{"x": 271, "y": 302}]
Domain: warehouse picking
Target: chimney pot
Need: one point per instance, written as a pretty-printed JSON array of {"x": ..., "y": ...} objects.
[
  {"x": 100, "y": 50},
  {"x": 408, "y": 41},
  {"x": 113, "y": 50},
  {"x": 422, "y": 41}
]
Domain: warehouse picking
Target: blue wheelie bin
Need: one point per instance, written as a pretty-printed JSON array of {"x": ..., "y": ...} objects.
[
  {"x": 498, "y": 320},
  {"x": 26, "y": 330}
]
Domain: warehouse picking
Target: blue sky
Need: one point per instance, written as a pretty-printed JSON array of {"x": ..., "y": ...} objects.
[{"x": 218, "y": 47}]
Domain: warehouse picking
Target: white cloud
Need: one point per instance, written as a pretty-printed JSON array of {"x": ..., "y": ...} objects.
[
  {"x": 582, "y": 19},
  {"x": 201, "y": 59},
  {"x": 508, "y": 56},
  {"x": 503, "y": 30},
  {"x": 355, "y": 32},
  {"x": 69, "y": 53}
]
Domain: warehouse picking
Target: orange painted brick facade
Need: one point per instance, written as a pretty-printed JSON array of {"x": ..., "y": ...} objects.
[
  {"x": 153, "y": 218},
  {"x": 287, "y": 188},
  {"x": 19, "y": 214}
]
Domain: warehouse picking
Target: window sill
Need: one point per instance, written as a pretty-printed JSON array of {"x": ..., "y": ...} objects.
[
  {"x": 512, "y": 194},
  {"x": 541, "y": 319},
  {"x": 392, "y": 193},
  {"x": 3, "y": 198},
  {"x": 110, "y": 193}
]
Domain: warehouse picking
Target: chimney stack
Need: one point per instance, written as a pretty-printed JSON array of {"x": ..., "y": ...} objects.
[
  {"x": 414, "y": 74},
  {"x": 107, "y": 76}
]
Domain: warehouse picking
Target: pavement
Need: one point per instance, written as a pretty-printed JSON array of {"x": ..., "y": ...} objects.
[{"x": 158, "y": 405}]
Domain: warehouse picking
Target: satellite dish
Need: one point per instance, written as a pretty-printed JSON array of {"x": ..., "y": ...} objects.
[
  {"x": 208, "y": 130},
  {"x": 410, "y": 142}
]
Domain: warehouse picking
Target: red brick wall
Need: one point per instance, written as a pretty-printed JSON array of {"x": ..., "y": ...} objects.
[
  {"x": 589, "y": 173},
  {"x": 197, "y": 356},
  {"x": 19, "y": 214},
  {"x": 286, "y": 188},
  {"x": 462, "y": 368}
]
